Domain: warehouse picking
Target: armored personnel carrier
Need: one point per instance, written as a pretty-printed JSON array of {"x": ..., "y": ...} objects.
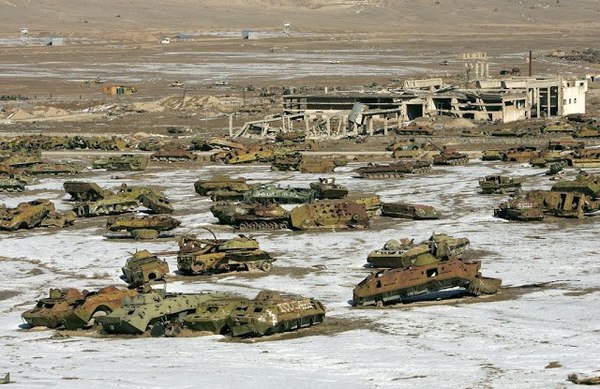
[
  {"x": 326, "y": 188},
  {"x": 287, "y": 162},
  {"x": 394, "y": 170},
  {"x": 405, "y": 252},
  {"x": 223, "y": 188},
  {"x": 270, "y": 313},
  {"x": 521, "y": 208},
  {"x": 409, "y": 211},
  {"x": 214, "y": 315},
  {"x": 533, "y": 205},
  {"x": 265, "y": 194},
  {"x": 51, "y": 311},
  {"x": 11, "y": 185},
  {"x": 148, "y": 309},
  {"x": 329, "y": 214},
  {"x": 405, "y": 149},
  {"x": 371, "y": 202},
  {"x": 19, "y": 160},
  {"x": 588, "y": 184},
  {"x": 495, "y": 184},
  {"x": 174, "y": 156},
  {"x": 85, "y": 191},
  {"x": 450, "y": 157},
  {"x": 144, "y": 267},
  {"x": 492, "y": 155},
  {"x": 36, "y": 213},
  {"x": 96, "y": 304},
  {"x": 197, "y": 256},
  {"x": 123, "y": 162},
  {"x": 252, "y": 216},
  {"x": 50, "y": 169},
  {"x": 252, "y": 154},
  {"x": 141, "y": 227}
]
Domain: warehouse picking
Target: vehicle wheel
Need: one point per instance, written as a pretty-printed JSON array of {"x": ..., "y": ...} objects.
[
  {"x": 96, "y": 314},
  {"x": 158, "y": 329},
  {"x": 244, "y": 225},
  {"x": 262, "y": 226},
  {"x": 284, "y": 225},
  {"x": 173, "y": 329},
  {"x": 266, "y": 266}
]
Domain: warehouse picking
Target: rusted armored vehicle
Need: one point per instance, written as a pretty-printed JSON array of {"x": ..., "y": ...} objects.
[
  {"x": 271, "y": 312},
  {"x": 50, "y": 169},
  {"x": 11, "y": 185},
  {"x": 329, "y": 214},
  {"x": 252, "y": 154},
  {"x": 19, "y": 160},
  {"x": 287, "y": 162},
  {"x": 415, "y": 129},
  {"x": 141, "y": 227},
  {"x": 586, "y": 158},
  {"x": 214, "y": 315},
  {"x": 144, "y": 267},
  {"x": 215, "y": 143},
  {"x": 521, "y": 208},
  {"x": 556, "y": 168},
  {"x": 36, "y": 213},
  {"x": 492, "y": 155},
  {"x": 174, "y": 155},
  {"x": 427, "y": 273},
  {"x": 450, "y": 157},
  {"x": 154, "y": 308},
  {"x": 94, "y": 305},
  {"x": 409, "y": 211},
  {"x": 265, "y": 194},
  {"x": 371, "y": 202},
  {"x": 123, "y": 162},
  {"x": 533, "y": 205},
  {"x": 520, "y": 154},
  {"x": 326, "y": 188},
  {"x": 252, "y": 216},
  {"x": 587, "y": 131},
  {"x": 123, "y": 200},
  {"x": 405, "y": 149},
  {"x": 494, "y": 184},
  {"x": 51, "y": 311},
  {"x": 223, "y": 188},
  {"x": 321, "y": 165},
  {"x": 199, "y": 256},
  {"x": 586, "y": 183},
  {"x": 85, "y": 191},
  {"x": 394, "y": 170}
]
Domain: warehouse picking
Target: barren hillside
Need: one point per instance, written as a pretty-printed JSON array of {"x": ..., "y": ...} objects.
[{"x": 139, "y": 18}]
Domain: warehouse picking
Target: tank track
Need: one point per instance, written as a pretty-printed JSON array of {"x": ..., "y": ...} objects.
[
  {"x": 383, "y": 175},
  {"x": 85, "y": 209},
  {"x": 264, "y": 225},
  {"x": 11, "y": 189}
]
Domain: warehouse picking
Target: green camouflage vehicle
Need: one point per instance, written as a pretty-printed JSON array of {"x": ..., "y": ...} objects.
[
  {"x": 198, "y": 256},
  {"x": 329, "y": 214},
  {"x": 326, "y": 188},
  {"x": 214, "y": 315},
  {"x": 409, "y": 211},
  {"x": 36, "y": 213},
  {"x": 144, "y": 267},
  {"x": 252, "y": 216},
  {"x": 223, "y": 188},
  {"x": 270, "y": 313},
  {"x": 498, "y": 184},
  {"x": 265, "y": 194},
  {"x": 141, "y": 227},
  {"x": 154, "y": 308},
  {"x": 11, "y": 185},
  {"x": 123, "y": 162}
]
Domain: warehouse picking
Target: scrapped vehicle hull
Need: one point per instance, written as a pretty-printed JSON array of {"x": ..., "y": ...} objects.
[
  {"x": 329, "y": 214},
  {"x": 51, "y": 311},
  {"x": 271, "y": 313},
  {"x": 219, "y": 184},
  {"x": 252, "y": 216},
  {"x": 394, "y": 285},
  {"x": 104, "y": 301},
  {"x": 125, "y": 162},
  {"x": 143, "y": 267},
  {"x": 142, "y": 227},
  {"x": 265, "y": 194},
  {"x": 395, "y": 170},
  {"x": 214, "y": 315},
  {"x": 142, "y": 311},
  {"x": 495, "y": 184},
  {"x": 409, "y": 211}
]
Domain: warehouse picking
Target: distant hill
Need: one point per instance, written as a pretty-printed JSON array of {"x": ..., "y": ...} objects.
[{"x": 97, "y": 17}]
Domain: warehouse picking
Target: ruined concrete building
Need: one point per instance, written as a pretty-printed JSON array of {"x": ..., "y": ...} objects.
[{"x": 498, "y": 100}]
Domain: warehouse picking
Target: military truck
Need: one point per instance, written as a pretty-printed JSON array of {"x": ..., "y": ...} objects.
[
  {"x": 271, "y": 312},
  {"x": 144, "y": 267},
  {"x": 394, "y": 170},
  {"x": 141, "y": 227},
  {"x": 154, "y": 308},
  {"x": 36, "y": 213},
  {"x": 252, "y": 216},
  {"x": 409, "y": 211},
  {"x": 123, "y": 162},
  {"x": 499, "y": 184},
  {"x": 199, "y": 256}
]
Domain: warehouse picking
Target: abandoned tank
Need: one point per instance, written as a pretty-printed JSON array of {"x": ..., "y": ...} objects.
[
  {"x": 326, "y": 188},
  {"x": 495, "y": 184},
  {"x": 51, "y": 311},
  {"x": 141, "y": 227},
  {"x": 198, "y": 256},
  {"x": 11, "y": 185},
  {"x": 144, "y": 267},
  {"x": 394, "y": 170},
  {"x": 265, "y": 194},
  {"x": 409, "y": 211},
  {"x": 252, "y": 216},
  {"x": 329, "y": 214},
  {"x": 123, "y": 162}
]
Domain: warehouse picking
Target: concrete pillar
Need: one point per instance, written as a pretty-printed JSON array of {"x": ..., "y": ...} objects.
[
  {"x": 548, "y": 101},
  {"x": 370, "y": 125},
  {"x": 328, "y": 126},
  {"x": 538, "y": 101},
  {"x": 385, "y": 126},
  {"x": 230, "y": 124}
]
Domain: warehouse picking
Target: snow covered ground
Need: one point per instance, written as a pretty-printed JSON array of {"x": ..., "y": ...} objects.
[{"x": 494, "y": 343}]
